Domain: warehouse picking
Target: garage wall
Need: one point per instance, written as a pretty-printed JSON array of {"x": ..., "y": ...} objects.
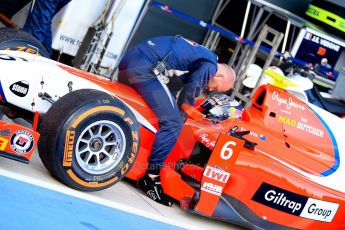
[{"x": 158, "y": 23}]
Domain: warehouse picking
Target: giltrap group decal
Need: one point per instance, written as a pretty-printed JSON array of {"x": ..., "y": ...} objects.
[
  {"x": 22, "y": 142},
  {"x": 295, "y": 204}
]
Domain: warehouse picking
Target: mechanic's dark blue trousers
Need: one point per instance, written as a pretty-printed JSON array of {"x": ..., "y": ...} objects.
[
  {"x": 38, "y": 23},
  {"x": 136, "y": 69}
]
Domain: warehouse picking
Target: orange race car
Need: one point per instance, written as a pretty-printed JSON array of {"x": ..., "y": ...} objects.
[{"x": 278, "y": 165}]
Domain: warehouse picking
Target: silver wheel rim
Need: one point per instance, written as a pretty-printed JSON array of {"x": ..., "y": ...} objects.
[{"x": 100, "y": 147}]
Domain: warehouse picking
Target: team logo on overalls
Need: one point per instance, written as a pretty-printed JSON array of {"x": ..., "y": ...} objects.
[{"x": 22, "y": 142}]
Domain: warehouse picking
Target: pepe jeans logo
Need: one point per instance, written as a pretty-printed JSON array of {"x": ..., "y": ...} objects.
[
  {"x": 294, "y": 203},
  {"x": 206, "y": 140},
  {"x": 20, "y": 88},
  {"x": 287, "y": 102}
]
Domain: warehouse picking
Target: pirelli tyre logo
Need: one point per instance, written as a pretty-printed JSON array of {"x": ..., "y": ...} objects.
[
  {"x": 68, "y": 150},
  {"x": 295, "y": 204}
]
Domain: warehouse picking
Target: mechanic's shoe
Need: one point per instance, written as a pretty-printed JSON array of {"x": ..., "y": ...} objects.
[{"x": 151, "y": 185}]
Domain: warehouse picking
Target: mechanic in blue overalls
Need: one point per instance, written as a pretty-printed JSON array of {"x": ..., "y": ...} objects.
[
  {"x": 152, "y": 64},
  {"x": 39, "y": 21}
]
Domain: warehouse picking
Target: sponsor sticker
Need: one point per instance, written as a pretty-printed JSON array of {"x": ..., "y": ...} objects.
[
  {"x": 295, "y": 204},
  {"x": 212, "y": 188},
  {"x": 300, "y": 125},
  {"x": 206, "y": 140},
  {"x": 254, "y": 134},
  {"x": 287, "y": 103},
  {"x": 22, "y": 142},
  {"x": 216, "y": 174},
  {"x": 20, "y": 88},
  {"x": 319, "y": 210}
]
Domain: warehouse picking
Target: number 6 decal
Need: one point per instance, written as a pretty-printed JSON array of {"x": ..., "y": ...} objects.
[{"x": 226, "y": 152}]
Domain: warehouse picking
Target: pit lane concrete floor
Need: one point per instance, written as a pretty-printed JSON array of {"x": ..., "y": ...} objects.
[{"x": 28, "y": 191}]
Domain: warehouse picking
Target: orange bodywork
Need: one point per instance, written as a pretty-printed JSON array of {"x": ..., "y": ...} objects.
[{"x": 286, "y": 132}]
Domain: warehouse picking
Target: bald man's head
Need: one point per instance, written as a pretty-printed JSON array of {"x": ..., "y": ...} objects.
[{"x": 223, "y": 80}]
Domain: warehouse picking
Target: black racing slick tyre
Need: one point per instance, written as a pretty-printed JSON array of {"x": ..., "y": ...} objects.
[
  {"x": 89, "y": 140},
  {"x": 14, "y": 39}
]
